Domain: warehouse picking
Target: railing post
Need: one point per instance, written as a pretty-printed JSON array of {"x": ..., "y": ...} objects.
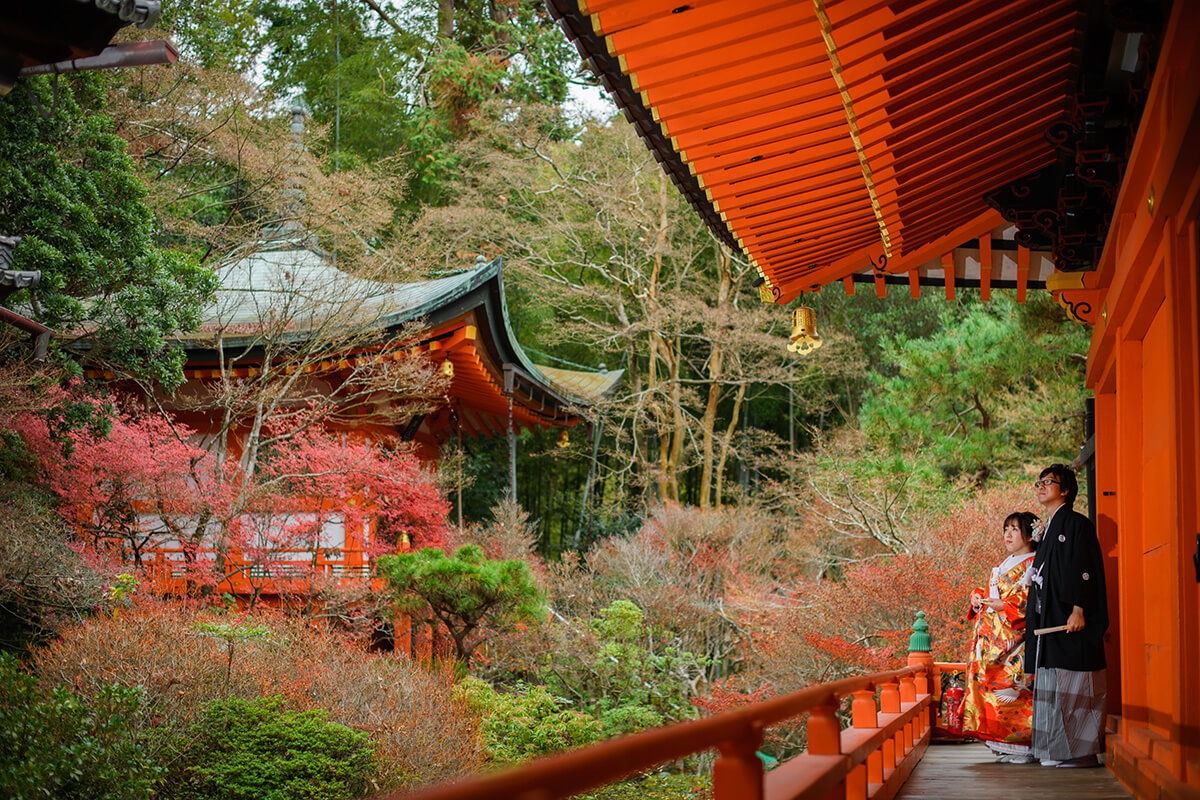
[
  {"x": 825, "y": 734},
  {"x": 864, "y": 714},
  {"x": 875, "y": 765},
  {"x": 920, "y": 645},
  {"x": 908, "y": 694},
  {"x": 889, "y": 703},
  {"x": 862, "y": 709},
  {"x": 889, "y": 755},
  {"x": 738, "y": 772},
  {"x": 889, "y": 698}
]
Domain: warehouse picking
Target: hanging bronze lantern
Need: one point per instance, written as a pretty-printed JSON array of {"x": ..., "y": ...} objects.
[
  {"x": 448, "y": 368},
  {"x": 804, "y": 336},
  {"x": 563, "y": 438}
]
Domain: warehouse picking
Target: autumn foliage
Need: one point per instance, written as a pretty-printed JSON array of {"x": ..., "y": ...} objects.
[
  {"x": 822, "y": 629},
  {"x": 144, "y": 485},
  {"x": 182, "y": 658}
]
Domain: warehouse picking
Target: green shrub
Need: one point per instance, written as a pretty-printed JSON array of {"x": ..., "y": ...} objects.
[
  {"x": 260, "y": 750},
  {"x": 526, "y": 723},
  {"x": 622, "y": 672},
  {"x": 658, "y": 786},
  {"x": 63, "y": 746},
  {"x": 629, "y": 719}
]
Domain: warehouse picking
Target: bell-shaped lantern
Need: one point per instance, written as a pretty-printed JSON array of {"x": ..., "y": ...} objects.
[
  {"x": 804, "y": 336},
  {"x": 448, "y": 368},
  {"x": 563, "y": 438}
]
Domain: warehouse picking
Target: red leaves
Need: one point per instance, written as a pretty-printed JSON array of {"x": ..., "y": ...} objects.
[
  {"x": 148, "y": 491},
  {"x": 722, "y": 697},
  {"x": 359, "y": 477},
  {"x": 862, "y": 621}
]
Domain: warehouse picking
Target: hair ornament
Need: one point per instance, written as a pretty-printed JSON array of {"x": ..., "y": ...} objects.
[{"x": 1039, "y": 529}]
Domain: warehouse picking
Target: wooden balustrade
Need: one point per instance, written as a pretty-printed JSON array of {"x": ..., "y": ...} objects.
[{"x": 868, "y": 760}]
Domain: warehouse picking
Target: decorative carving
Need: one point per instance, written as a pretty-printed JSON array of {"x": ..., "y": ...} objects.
[
  {"x": 1067, "y": 206},
  {"x": 1078, "y": 293},
  {"x": 7, "y": 245},
  {"x": 769, "y": 294}
]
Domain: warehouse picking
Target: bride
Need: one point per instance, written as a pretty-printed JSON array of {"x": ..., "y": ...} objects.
[{"x": 997, "y": 703}]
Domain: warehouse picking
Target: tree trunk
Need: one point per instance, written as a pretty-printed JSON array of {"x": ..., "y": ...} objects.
[
  {"x": 707, "y": 426},
  {"x": 678, "y": 424},
  {"x": 500, "y": 13},
  {"x": 727, "y": 442},
  {"x": 445, "y": 19},
  {"x": 659, "y": 350},
  {"x": 715, "y": 375}
]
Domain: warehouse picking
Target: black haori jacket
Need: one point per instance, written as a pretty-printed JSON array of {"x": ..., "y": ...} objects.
[{"x": 1067, "y": 571}]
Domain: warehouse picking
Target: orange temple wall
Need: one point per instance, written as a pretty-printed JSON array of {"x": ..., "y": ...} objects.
[{"x": 1143, "y": 367}]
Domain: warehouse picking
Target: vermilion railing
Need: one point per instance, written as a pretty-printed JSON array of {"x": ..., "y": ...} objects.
[{"x": 870, "y": 759}]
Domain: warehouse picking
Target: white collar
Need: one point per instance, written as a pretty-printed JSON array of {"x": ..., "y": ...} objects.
[{"x": 1011, "y": 561}]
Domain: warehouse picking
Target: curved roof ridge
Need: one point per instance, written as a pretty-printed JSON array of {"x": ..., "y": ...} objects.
[{"x": 290, "y": 281}]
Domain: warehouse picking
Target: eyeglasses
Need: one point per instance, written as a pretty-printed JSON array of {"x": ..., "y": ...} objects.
[{"x": 1045, "y": 482}]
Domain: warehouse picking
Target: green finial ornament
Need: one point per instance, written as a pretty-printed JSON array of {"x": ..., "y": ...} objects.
[{"x": 920, "y": 641}]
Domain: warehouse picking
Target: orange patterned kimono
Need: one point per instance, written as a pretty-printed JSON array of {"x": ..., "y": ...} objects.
[{"x": 997, "y": 705}]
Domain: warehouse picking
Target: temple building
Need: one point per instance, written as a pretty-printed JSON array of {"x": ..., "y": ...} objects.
[
  {"x": 287, "y": 301},
  {"x": 289, "y": 326}
]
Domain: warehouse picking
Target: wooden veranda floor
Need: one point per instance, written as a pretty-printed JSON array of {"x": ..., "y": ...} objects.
[{"x": 969, "y": 772}]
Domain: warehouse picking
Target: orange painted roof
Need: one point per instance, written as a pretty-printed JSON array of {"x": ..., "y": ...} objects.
[{"x": 826, "y": 137}]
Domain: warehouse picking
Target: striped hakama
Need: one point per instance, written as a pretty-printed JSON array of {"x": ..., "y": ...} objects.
[{"x": 1068, "y": 713}]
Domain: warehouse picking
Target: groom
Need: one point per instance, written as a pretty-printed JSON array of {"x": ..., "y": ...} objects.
[{"x": 1067, "y": 591}]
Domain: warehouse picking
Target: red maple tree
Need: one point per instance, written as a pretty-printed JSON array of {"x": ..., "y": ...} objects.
[{"x": 146, "y": 490}]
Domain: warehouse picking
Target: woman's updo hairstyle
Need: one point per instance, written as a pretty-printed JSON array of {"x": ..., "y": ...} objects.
[{"x": 1028, "y": 523}]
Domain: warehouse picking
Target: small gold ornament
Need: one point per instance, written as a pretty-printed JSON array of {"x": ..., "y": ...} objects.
[
  {"x": 448, "y": 368},
  {"x": 804, "y": 337},
  {"x": 563, "y": 438}
]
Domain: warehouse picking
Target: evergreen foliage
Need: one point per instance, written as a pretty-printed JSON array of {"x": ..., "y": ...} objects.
[
  {"x": 70, "y": 190},
  {"x": 260, "y": 750},
  {"x": 413, "y": 92},
  {"x": 64, "y": 746},
  {"x": 985, "y": 394},
  {"x": 463, "y": 591},
  {"x": 623, "y": 673},
  {"x": 524, "y": 722}
]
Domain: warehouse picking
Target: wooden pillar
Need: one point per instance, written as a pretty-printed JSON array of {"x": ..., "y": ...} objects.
[
  {"x": 509, "y": 385},
  {"x": 1128, "y": 488},
  {"x": 738, "y": 772},
  {"x": 1183, "y": 290},
  {"x": 1105, "y": 513}
]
